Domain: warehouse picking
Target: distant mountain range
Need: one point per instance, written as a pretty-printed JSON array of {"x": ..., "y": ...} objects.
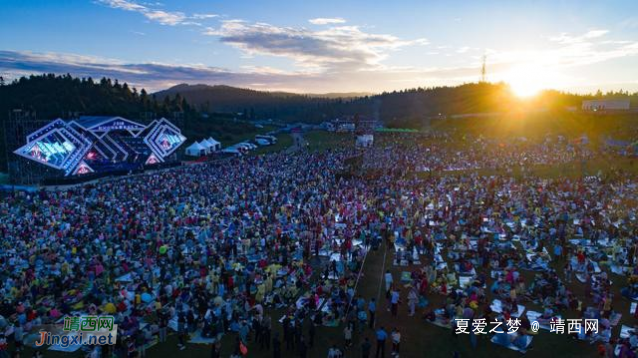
[
  {"x": 409, "y": 105},
  {"x": 200, "y": 91},
  {"x": 52, "y": 96},
  {"x": 255, "y": 104}
]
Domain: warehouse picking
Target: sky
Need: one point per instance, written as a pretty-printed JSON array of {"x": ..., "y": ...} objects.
[{"x": 327, "y": 46}]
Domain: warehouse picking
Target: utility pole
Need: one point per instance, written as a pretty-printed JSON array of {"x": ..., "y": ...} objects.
[{"x": 483, "y": 70}]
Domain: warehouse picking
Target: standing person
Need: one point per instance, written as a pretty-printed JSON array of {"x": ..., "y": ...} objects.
[
  {"x": 276, "y": 346},
  {"x": 396, "y": 342},
  {"x": 4, "y": 346},
  {"x": 334, "y": 352},
  {"x": 568, "y": 271},
  {"x": 302, "y": 348},
  {"x": 363, "y": 319},
  {"x": 264, "y": 339},
  {"x": 298, "y": 332},
  {"x": 216, "y": 351},
  {"x": 311, "y": 334},
  {"x": 372, "y": 308},
  {"x": 181, "y": 332},
  {"x": 163, "y": 327},
  {"x": 394, "y": 302},
  {"x": 258, "y": 328},
  {"x": 413, "y": 300},
  {"x": 140, "y": 343},
  {"x": 333, "y": 269},
  {"x": 388, "y": 280},
  {"x": 288, "y": 334},
  {"x": 18, "y": 334},
  {"x": 347, "y": 335},
  {"x": 381, "y": 337},
  {"x": 365, "y": 348}
]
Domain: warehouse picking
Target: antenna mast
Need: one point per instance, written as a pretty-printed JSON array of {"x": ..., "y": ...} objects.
[{"x": 483, "y": 70}]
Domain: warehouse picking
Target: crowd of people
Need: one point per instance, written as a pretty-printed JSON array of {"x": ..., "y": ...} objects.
[
  {"x": 444, "y": 152},
  {"x": 245, "y": 247}
]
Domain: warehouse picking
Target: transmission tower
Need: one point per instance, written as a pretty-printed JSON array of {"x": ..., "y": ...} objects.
[{"x": 483, "y": 69}]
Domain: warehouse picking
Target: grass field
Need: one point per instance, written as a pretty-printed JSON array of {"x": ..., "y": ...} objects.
[
  {"x": 226, "y": 131},
  {"x": 284, "y": 140},
  {"x": 322, "y": 140}
]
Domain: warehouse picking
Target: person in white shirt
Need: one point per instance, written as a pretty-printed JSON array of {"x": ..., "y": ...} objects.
[
  {"x": 388, "y": 280},
  {"x": 413, "y": 300},
  {"x": 347, "y": 335},
  {"x": 396, "y": 342},
  {"x": 334, "y": 352}
]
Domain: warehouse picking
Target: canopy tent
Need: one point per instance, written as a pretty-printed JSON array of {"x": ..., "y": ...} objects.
[
  {"x": 211, "y": 145},
  {"x": 196, "y": 150},
  {"x": 365, "y": 140},
  {"x": 217, "y": 144}
]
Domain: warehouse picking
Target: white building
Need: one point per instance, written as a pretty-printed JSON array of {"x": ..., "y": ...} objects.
[{"x": 606, "y": 105}]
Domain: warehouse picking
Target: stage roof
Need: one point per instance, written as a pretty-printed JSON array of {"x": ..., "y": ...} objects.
[
  {"x": 94, "y": 122},
  {"x": 90, "y": 121}
]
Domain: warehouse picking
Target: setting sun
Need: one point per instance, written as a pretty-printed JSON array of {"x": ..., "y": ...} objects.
[{"x": 527, "y": 81}]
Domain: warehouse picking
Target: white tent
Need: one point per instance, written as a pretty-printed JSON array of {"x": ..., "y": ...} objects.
[
  {"x": 204, "y": 143},
  {"x": 214, "y": 145},
  {"x": 365, "y": 140},
  {"x": 196, "y": 150}
]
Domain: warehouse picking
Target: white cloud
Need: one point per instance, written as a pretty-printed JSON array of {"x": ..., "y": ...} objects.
[
  {"x": 566, "y": 38},
  {"x": 160, "y": 16},
  {"x": 157, "y": 76},
  {"x": 204, "y": 16},
  {"x": 327, "y": 21},
  {"x": 568, "y": 50},
  {"x": 333, "y": 47},
  {"x": 170, "y": 18},
  {"x": 592, "y": 34}
]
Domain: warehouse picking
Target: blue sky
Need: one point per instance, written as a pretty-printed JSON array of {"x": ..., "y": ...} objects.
[{"x": 326, "y": 46}]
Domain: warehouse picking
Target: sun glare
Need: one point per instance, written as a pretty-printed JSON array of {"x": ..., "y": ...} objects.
[{"x": 527, "y": 81}]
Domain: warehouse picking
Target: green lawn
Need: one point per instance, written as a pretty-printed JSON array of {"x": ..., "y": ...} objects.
[
  {"x": 284, "y": 141},
  {"x": 322, "y": 140},
  {"x": 226, "y": 131}
]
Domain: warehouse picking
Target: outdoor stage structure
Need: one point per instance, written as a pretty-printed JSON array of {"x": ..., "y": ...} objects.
[{"x": 92, "y": 145}]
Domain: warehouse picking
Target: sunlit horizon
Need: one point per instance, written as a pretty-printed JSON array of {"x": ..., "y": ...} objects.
[{"x": 327, "y": 47}]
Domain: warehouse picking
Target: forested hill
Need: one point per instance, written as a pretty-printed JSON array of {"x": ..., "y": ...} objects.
[
  {"x": 406, "y": 107},
  {"x": 59, "y": 96},
  {"x": 400, "y": 105},
  {"x": 254, "y": 104},
  {"x": 54, "y": 96}
]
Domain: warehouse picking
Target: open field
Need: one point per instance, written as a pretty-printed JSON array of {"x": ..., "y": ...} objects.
[
  {"x": 226, "y": 131},
  {"x": 322, "y": 140},
  {"x": 284, "y": 140}
]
